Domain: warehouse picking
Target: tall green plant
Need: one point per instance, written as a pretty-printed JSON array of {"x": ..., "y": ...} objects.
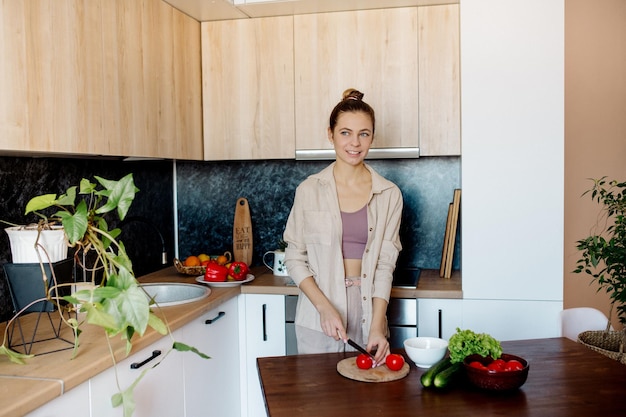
[
  {"x": 117, "y": 304},
  {"x": 604, "y": 251}
]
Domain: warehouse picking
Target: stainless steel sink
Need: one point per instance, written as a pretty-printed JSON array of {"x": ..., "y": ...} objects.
[{"x": 171, "y": 293}]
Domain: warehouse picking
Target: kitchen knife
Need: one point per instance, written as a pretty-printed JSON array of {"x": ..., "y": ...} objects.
[
  {"x": 355, "y": 345},
  {"x": 359, "y": 348}
]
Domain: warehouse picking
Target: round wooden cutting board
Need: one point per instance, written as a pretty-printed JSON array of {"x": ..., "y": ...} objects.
[{"x": 347, "y": 367}]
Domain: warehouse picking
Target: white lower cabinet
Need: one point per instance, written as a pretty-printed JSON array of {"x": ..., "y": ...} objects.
[
  {"x": 262, "y": 332},
  {"x": 513, "y": 319},
  {"x": 212, "y": 385},
  {"x": 160, "y": 391},
  {"x": 502, "y": 319},
  {"x": 433, "y": 314},
  {"x": 233, "y": 334}
]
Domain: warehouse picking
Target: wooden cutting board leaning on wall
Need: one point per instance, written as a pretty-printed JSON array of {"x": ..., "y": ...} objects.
[{"x": 242, "y": 232}]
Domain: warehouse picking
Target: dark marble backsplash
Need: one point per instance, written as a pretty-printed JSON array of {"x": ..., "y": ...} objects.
[
  {"x": 153, "y": 209},
  {"x": 206, "y": 193}
]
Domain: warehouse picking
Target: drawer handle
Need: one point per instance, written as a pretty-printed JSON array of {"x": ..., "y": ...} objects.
[
  {"x": 214, "y": 319},
  {"x": 440, "y": 323},
  {"x": 137, "y": 365},
  {"x": 264, "y": 323}
]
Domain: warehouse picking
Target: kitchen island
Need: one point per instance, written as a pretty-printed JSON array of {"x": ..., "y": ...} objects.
[
  {"x": 24, "y": 388},
  {"x": 566, "y": 379}
]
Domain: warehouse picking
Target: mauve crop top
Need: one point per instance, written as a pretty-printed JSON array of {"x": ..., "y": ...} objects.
[{"x": 354, "y": 233}]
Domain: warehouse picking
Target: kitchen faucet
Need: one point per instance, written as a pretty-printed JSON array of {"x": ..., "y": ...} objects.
[{"x": 144, "y": 220}]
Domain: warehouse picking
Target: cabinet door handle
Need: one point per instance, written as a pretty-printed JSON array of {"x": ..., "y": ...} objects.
[
  {"x": 137, "y": 365},
  {"x": 214, "y": 319},
  {"x": 264, "y": 323},
  {"x": 440, "y": 322}
]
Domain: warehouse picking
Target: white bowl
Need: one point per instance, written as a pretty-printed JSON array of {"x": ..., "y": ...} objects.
[{"x": 425, "y": 351}]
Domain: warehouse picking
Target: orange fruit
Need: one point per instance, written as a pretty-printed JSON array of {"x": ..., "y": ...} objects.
[
  {"x": 192, "y": 261},
  {"x": 222, "y": 260}
]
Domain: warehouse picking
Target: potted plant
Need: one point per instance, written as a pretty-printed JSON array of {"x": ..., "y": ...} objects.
[
  {"x": 114, "y": 301},
  {"x": 604, "y": 258},
  {"x": 29, "y": 243}
]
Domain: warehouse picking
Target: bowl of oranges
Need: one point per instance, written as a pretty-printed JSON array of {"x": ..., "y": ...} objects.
[{"x": 196, "y": 264}]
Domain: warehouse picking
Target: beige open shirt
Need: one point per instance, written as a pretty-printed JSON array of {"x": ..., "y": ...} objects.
[{"x": 314, "y": 234}]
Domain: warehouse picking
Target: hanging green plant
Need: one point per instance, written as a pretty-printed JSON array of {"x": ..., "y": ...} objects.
[{"x": 116, "y": 302}]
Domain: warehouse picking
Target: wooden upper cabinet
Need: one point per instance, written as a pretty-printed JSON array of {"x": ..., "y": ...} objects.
[
  {"x": 248, "y": 89},
  {"x": 152, "y": 80},
  {"x": 374, "y": 51},
  {"x": 439, "y": 80},
  {"x": 44, "y": 91},
  {"x": 13, "y": 106},
  {"x": 100, "y": 78}
]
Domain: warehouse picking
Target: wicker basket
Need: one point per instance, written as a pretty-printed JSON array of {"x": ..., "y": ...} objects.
[
  {"x": 188, "y": 270},
  {"x": 608, "y": 343}
]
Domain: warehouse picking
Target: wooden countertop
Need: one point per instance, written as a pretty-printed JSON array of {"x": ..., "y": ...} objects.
[
  {"x": 566, "y": 379},
  {"x": 45, "y": 377},
  {"x": 430, "y": 285},
  {"x": 24, "y": 388}
]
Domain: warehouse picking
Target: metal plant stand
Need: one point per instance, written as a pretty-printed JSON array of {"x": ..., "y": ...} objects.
[{"x": 26, "y": 285}]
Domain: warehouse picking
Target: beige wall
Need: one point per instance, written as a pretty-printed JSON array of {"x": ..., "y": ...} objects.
[{"x": 595, "y": 125}]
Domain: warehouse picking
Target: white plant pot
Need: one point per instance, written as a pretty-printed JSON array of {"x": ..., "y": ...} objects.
[{"x": 23, "y": 248}]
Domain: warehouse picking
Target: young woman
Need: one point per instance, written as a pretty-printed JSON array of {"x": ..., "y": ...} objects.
[{"x": 343, "y": 241}]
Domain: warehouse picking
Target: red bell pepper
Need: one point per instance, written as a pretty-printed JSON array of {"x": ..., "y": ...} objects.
[
  {"x": 238, "y": 270},
  {"x": 215, "y": 273}
]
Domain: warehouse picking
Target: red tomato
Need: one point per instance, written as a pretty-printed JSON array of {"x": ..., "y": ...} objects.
[
  {"x": 513, "y": 365},
  {"x": 477, "y": 365},
  {"x": 495, "y": 367},
  {"x": 500, "y": 363},
  {"x": 364, "y": 362},
  {"x": 394, "y": 361}
]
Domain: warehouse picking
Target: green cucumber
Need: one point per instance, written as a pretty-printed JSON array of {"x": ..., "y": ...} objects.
[
  {"x": 445, "y": 377},
  {"x": 428, "y": 376}
]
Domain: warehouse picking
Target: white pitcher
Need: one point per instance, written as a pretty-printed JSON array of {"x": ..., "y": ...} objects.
[{"x": 279, "y": 267}]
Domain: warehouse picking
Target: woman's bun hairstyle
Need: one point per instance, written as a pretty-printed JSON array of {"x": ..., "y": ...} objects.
[
  {"x": 352, "y": 94},
  {"x": 351, "y": 101}
]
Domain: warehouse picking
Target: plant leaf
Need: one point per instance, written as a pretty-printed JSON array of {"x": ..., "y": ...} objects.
[
  {"x": 120, "y": 195},
  {"x": 181, "y": 347},
  {"x": 156, "y": 323},
  {"x": 86, "y": 186},
  {"x": 14, "y": 356},
  {"x": 97, "y": 316},
  {"x": 40, "y": 202},
  {"x": 68, "y": 198},
  {"x": 133, "y": 305},
  {"x": 75, "y": 225}
]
